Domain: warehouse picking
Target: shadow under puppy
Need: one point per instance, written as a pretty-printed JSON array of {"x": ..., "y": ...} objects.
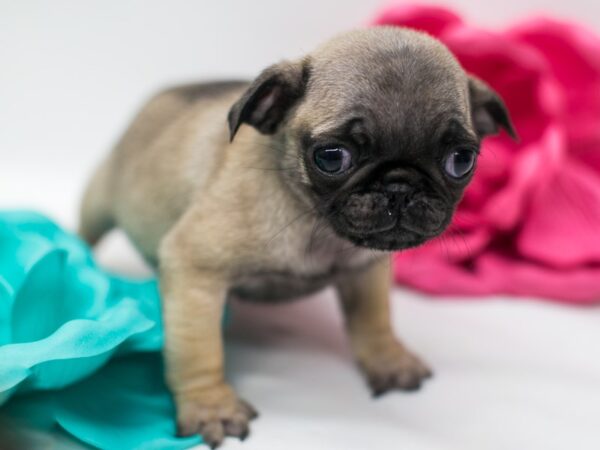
[{"x": 360, "y": 148}]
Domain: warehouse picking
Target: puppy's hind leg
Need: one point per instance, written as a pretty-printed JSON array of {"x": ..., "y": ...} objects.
[{"x": 96, "y": 217}]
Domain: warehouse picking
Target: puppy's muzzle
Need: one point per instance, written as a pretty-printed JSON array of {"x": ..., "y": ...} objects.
[
  {"x": 370, "y": 213},
  {"x": 398, "y": 205}
]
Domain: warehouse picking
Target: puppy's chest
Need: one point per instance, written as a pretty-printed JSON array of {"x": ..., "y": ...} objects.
[
  {"x": 311, "y": 248},
  {"x": 300, "y": 263}
]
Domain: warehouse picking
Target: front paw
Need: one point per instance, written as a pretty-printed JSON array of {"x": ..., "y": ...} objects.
[
  {"x": 393, "y": 368},
  {"x": 214, "y": 414}
]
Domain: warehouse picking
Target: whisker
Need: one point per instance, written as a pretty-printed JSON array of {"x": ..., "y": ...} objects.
[
  {"x": 291, "y": 222},
  {"x": 454, "y": 231},
  {"x": 274, "y": 169},
  {"x": 444, "y": 245}
]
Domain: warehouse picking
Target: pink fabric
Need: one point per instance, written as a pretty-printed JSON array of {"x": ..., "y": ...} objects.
[{"x": 529, "y": 223}]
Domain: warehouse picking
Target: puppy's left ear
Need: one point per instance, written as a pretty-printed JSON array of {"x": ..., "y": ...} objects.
[
  {"x": 488, "y": 111},
  {"x": 268, "y": 99}
]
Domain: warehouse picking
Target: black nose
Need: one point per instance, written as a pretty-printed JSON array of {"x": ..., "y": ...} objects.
[
  {"x": 398, "y": 187},
  {"x": 395, "y": 181}
]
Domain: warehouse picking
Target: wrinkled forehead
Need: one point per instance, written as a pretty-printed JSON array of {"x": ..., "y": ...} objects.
[{"x": 391, "y": 87}]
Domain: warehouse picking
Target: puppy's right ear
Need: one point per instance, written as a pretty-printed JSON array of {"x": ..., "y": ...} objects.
[{"x": 269, "y": 97}]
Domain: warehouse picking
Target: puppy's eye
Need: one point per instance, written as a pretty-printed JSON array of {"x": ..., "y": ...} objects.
[
  {"x": 333, "y": 160},
  {"x": 459, "y": 163}
]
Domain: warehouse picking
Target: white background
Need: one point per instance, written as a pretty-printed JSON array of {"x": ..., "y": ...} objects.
[
  {"x": 510, "y": 374},
  {"x": 72, "y": 72}
]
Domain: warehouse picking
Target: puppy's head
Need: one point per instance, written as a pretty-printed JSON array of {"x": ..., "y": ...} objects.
[{"x": 379, "y": 129}]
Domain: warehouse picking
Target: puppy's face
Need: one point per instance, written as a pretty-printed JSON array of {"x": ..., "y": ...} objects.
[{"x": 379, "y": 129}]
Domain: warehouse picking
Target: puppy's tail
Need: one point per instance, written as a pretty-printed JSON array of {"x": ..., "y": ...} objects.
[{"x": 96, "y": 217}]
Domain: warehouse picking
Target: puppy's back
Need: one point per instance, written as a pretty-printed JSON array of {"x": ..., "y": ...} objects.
[{"x": 163, "y": 157}]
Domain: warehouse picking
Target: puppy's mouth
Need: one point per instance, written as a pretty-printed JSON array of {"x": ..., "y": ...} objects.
[
  {"x": 388, "y": 241},
  {"x": 375, "y": 220}
]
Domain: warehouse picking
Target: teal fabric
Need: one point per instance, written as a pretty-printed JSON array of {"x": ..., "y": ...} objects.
[{"x": 79, "y": 348}]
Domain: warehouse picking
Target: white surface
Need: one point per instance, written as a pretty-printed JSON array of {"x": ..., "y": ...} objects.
[{"x": 510, "y": 374}]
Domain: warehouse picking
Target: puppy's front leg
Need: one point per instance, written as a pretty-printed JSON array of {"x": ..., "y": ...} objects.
[
  {"x": 386, "y": 363},
  {"x": 193, "y": 308}
]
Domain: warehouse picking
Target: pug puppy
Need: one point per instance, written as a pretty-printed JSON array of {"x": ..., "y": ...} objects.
[{"x": 306, "y": 177}]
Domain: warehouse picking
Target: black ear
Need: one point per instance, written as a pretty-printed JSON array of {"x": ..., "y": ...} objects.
[
  {"x": 488, "y": 111},
  {"x": 269, "y": 97}
]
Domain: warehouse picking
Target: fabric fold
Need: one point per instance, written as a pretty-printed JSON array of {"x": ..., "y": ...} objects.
[{"x": 79, "y": 347}]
